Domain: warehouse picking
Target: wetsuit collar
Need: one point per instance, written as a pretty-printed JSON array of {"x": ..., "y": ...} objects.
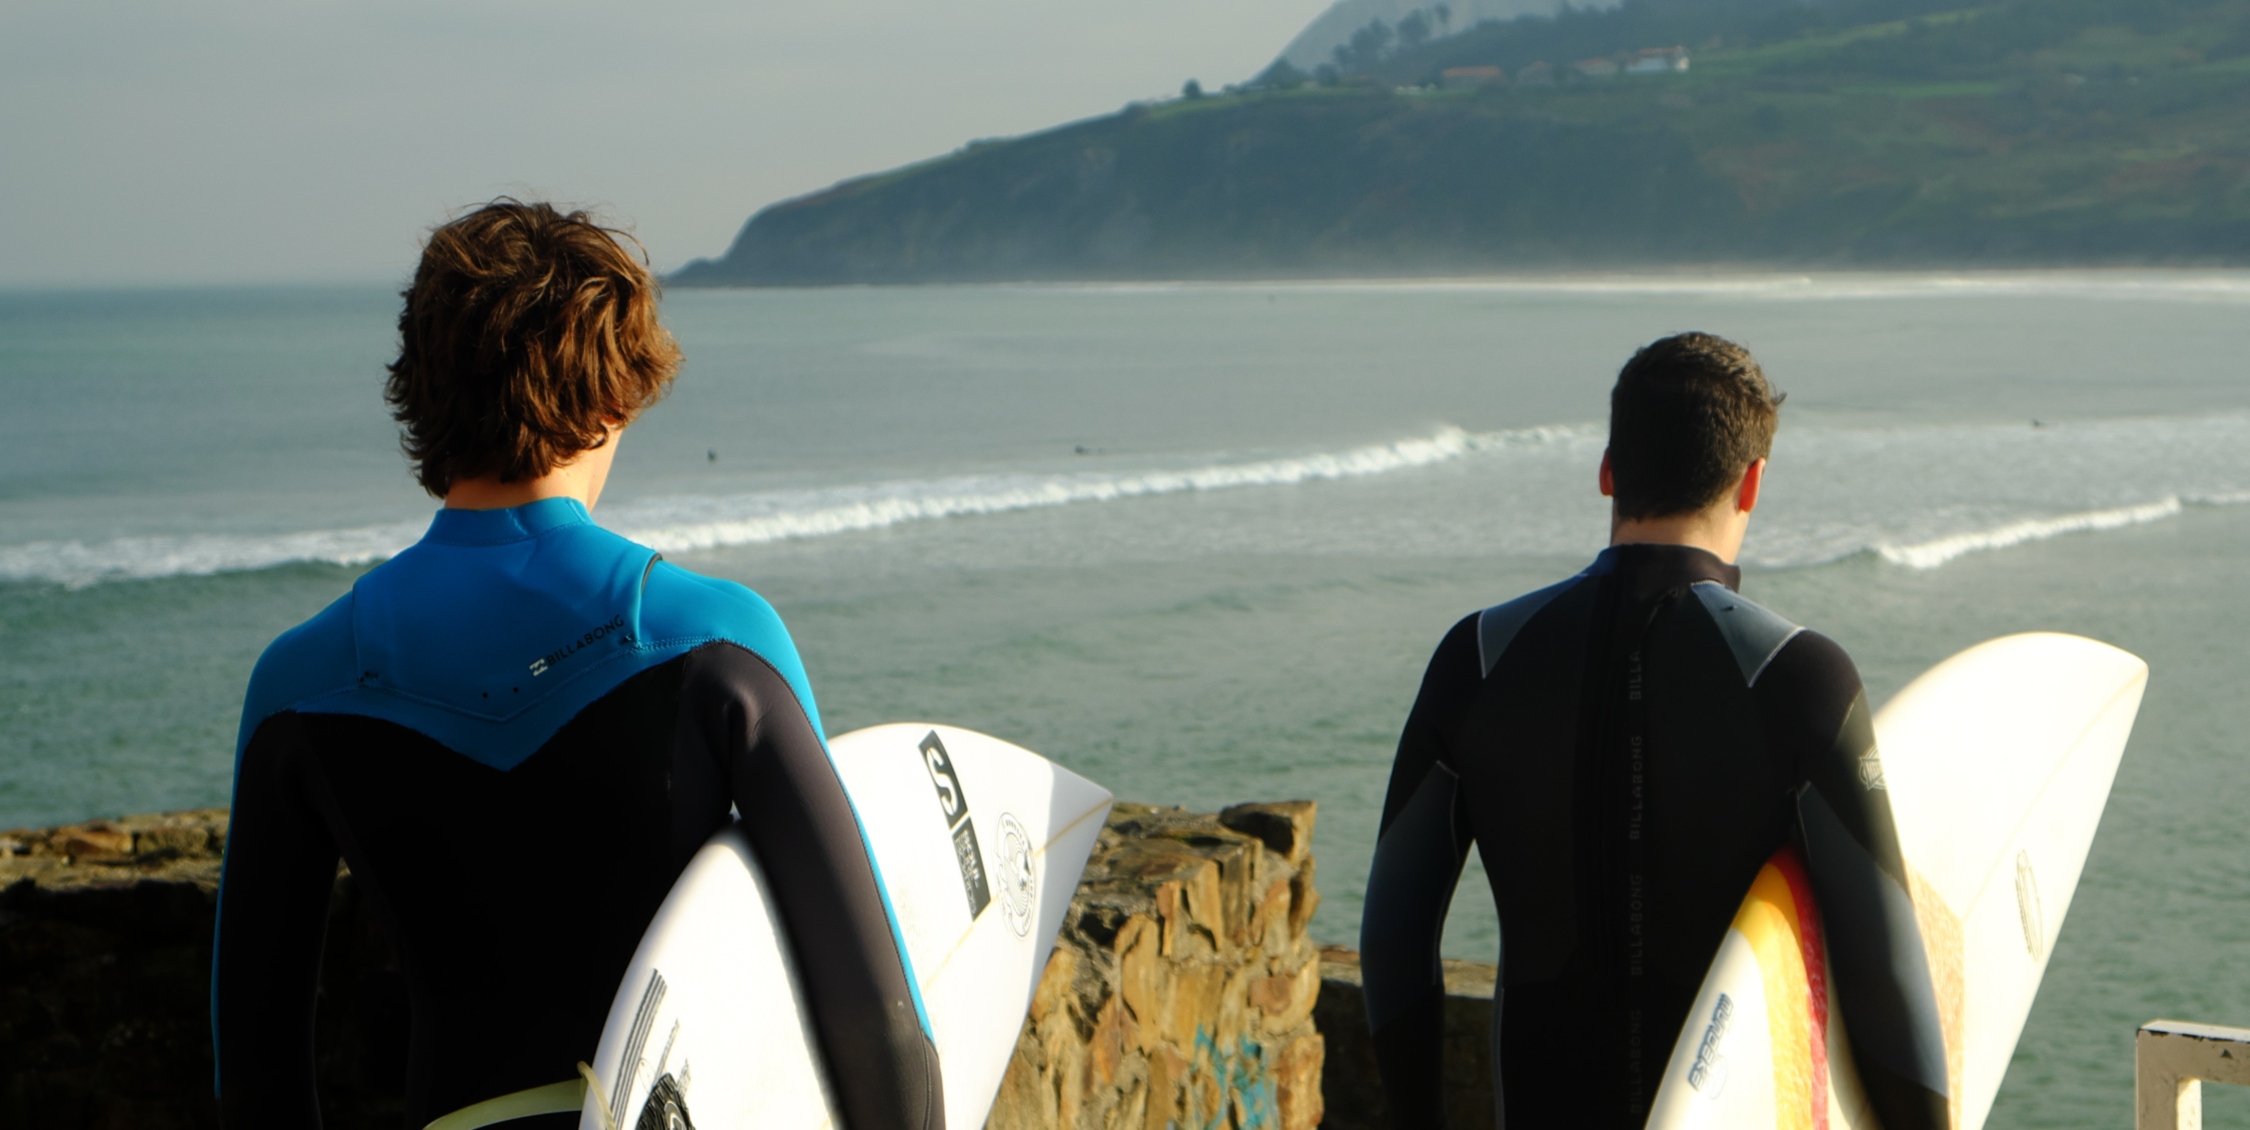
[
  {"x": 1664, "y": 566},
  {"x": 499, "y": 527}
]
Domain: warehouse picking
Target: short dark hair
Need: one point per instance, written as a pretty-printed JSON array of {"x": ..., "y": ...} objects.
[
  {"x": 526, "y": 332},
  {"x": 1688, "y": 415}
]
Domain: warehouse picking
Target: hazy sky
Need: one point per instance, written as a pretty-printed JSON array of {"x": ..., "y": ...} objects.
[{"x": 232, "y": 141}]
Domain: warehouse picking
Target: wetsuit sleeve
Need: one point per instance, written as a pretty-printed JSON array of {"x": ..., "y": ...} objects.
[
  {"x": 266, "y": 948},
  {"x": 849, "y": 958},
  {"x": 1852, "y": 853},
  {"x": 1419, "y": 852}
]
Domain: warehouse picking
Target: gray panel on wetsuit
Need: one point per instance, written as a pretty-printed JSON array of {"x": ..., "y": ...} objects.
[
  {"x": 1753, "y": 632},
  {"x": 1497, "y": 626},
  {"x": 1417, "y": 863}
]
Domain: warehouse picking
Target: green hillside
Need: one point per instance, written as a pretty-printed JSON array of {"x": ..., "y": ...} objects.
[{"x": 2028, "y": 132}]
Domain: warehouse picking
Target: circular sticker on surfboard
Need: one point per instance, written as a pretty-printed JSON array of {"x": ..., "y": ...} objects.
[{"x": 1019, "y": 884}]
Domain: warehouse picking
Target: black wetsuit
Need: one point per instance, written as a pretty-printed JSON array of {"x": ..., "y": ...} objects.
[
  {"x": 517, "y": 733},
  {"x": 1626, "y": 749}
]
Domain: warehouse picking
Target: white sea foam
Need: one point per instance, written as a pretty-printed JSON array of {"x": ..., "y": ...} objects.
[
  {"x": 706, "y": 523},
  {"x": 141, "y": 558},
  {"x": 680, "y": 524},
  {"x": 1937, "y": 551}
]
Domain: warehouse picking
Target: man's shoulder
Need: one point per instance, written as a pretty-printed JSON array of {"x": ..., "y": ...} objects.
[
  {"x": 678, "y": 604},
  {"x": 1765, "y": 643},
  {"x": 310, "y": 661},
  {"x": 682, "y": 608},
  {"x": 1497, "y": 627}
]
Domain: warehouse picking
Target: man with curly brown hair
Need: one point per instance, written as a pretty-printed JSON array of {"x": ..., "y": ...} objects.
[
  {"x": 1626, "y": 749},
  {"x": 519, "y": 730}
]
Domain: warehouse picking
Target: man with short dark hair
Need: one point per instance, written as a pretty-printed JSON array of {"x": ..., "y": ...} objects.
[
  {"x": 1626, "y": 749},
  {"x": 519, "y": 730}
]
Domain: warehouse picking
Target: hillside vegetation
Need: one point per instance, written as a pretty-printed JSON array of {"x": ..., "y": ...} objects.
[{"x": 1905, "y": 132}]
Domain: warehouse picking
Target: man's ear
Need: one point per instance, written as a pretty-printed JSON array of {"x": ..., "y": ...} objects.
[
  {"x": 1753, "y": 480},
  {"x": 1609, "y": 483}
]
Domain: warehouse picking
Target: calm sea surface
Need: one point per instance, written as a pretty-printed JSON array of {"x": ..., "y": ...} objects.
[{"x": 1196, "y": 542}]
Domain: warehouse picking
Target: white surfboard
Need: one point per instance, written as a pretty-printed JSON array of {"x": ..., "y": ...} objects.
[
  {"x": 1998, "y": 762},
  {"x": 980, "y": 845}
]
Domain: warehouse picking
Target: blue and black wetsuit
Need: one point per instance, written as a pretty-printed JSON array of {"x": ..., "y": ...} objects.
[
  {"x": 517, "y": 733},
  {"x": 1626, "y": 749}
]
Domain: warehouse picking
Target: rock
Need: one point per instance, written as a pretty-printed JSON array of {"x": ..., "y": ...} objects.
[
  {"x": 105, "y": 966},
  {"x": 1182, "y": 989},
  {"x": 1286, "y": 827},
  {"x": 1350, "y": 1085}
]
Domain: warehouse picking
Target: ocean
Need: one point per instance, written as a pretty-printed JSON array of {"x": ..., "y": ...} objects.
[{"x": 1196, "y": 541}]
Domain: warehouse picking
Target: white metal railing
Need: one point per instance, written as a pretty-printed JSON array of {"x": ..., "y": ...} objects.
[{"x": 2172, "y": 1059}]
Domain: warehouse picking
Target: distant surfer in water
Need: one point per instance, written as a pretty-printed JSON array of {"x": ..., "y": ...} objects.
[
  {"x": 518, "y": 731},
  {"x": 1626, "y": 749}
]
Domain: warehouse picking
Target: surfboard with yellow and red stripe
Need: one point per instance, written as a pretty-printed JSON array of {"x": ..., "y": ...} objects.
[
  {"x": 1765, "y": 1044},
  {"x": 1998, "y": 763}
]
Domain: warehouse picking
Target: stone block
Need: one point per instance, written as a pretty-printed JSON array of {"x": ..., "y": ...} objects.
[
  {"x": 1297, "y": 1094},
  {"x": 1352, "y": 1089},
  {"x": 97, "y": 841},
  {"x": 1285, "y": 827},
  {"x": 1304, "y": 897},
  {"x": 1287, "y": 1000}
]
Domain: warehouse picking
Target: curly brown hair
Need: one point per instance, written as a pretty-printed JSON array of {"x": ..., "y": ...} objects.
[
  {"x": 527, "y": 332},
  {"x": 1688, "y": 415}
]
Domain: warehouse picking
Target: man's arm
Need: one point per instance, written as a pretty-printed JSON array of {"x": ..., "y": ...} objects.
[
  {"x": 1859, "y": 877},
  {"x": 266, "y": 948},
  {"x": 1424, "y": 841},
  {"x": 850, "y": 959}
]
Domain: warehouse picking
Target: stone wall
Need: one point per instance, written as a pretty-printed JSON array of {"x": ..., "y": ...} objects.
[
  {"x": 1181, "y": 993},
  {"x": 105, "y": 959},
  {"x": 1182, "y": 989},
  {"x": 1353, "y": 1090},
  {"x": 104, "y": 936}
]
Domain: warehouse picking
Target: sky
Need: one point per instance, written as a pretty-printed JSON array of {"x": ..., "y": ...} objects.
[{"x": 155, "y": 142}]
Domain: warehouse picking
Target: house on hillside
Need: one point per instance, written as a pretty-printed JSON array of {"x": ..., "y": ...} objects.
[
  {"x": 1597, "y": 68},
  {"x": 1537, "y": 74},
  {"x": 1657, "y": 61},
  {"x": 1474, "y": 78}
]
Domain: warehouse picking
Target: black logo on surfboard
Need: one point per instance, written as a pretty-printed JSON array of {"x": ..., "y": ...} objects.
[{"x": 954, "y": 805}]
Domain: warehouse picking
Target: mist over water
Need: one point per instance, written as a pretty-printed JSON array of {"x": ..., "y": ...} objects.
[{"x": 1197, "y": 541}]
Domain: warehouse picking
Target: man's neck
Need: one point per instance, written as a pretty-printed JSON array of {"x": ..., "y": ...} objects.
[
  {"x": 581, "y": 478},
  {"x": 489, "y": 493},
  {"x": 1711, "y": 530}
]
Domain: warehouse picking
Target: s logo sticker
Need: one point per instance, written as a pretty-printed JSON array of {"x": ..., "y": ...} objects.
[
  {"x": 951, "y": 800},
  {"x": 953, "y": 805}
]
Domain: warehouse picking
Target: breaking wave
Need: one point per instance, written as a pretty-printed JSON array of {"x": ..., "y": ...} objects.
[
  {"x": 1917, "y": 497},
  {"x": 1938, "y": 551},
  {"x": 706, "y": 523},
  {"x": 144, "y": 558},
  {"x": 681, "y": 524}
]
